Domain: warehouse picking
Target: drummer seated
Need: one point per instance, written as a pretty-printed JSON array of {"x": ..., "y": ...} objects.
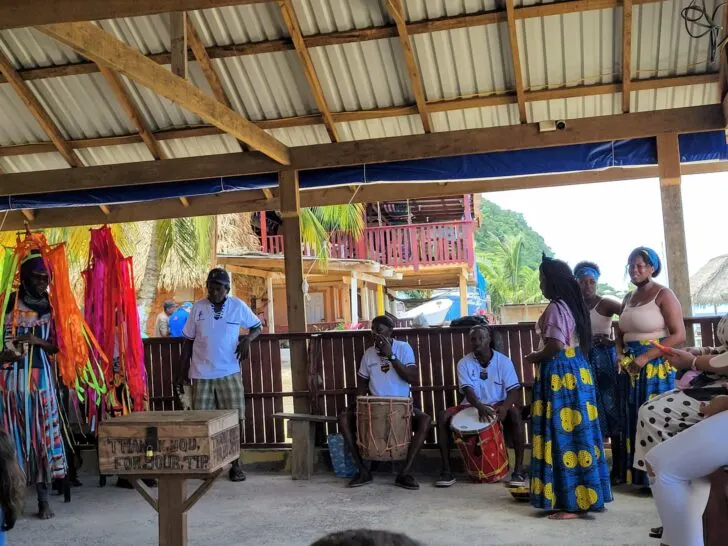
[
  {"x": 387, "y": 369},
  {"x": 488, "y": 382}
]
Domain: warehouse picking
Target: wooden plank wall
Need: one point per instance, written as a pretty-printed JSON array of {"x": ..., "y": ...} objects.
[{"x": 437, "y": 351}]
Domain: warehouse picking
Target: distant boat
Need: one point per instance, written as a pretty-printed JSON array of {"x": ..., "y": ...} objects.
[{"x": 434, "y": 312}]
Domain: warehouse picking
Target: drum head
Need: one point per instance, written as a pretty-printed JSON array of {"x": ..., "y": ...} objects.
[{"x": 467, "y": 420}]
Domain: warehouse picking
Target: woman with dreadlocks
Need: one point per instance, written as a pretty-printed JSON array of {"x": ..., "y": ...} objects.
[
  {"x": 650, "y": 314},
  {"x": 569, "y": 473}
]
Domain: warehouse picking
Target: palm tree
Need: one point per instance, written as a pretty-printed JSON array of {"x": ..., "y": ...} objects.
[{"x": 508, "y": 280}]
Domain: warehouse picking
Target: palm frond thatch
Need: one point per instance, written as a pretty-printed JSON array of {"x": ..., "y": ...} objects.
[{"x": 709, "y": 286}]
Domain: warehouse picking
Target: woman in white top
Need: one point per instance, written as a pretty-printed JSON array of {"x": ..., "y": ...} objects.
[
  {"x": 603, "y": 360},
  {"x": 651, "y": 313}
]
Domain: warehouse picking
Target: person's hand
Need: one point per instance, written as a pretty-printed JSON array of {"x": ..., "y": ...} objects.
[
  {"x": 384, "y": 347},
  {"x": 680, "y": 359},
  {"x": 715, "y": 406},
  {"x": 485, "y": 413},
  {"x": 243, "y": 349},
  {"x": 695, "y": 351},
  {"x": 532, "y": 357},
  {"x": 7, "y": 356},
  {"x": 502, "y": 413},
  {"x": 640, "y": 361},
  {"x": 30, "y": 339}
]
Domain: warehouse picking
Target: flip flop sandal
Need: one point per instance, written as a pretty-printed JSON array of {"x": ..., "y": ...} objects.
[
  {"x": 236, "y": 474},
  {"x": 407, "y": 482},
  {"x": 656, "y": 532}
]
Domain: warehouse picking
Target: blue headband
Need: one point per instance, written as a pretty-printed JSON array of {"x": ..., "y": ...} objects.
[
  {"x": 651, "y": 256},
  {"x": 587, "y": 272}
]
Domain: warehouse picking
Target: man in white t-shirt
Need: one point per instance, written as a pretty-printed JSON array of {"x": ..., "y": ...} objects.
[
  {"x": 488, "y": 381},
  {"x": 211, "y": 357},
  {"x": 387, "y": 369}
]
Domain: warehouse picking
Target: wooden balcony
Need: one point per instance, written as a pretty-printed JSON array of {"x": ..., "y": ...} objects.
[{"x": 399, "y": 246}]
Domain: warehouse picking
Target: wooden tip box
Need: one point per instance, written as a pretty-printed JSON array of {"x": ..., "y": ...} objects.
[{"x": 169, "y": 442}]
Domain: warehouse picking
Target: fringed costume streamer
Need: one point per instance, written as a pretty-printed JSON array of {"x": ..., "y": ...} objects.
[{"x": 112, "y": 314}]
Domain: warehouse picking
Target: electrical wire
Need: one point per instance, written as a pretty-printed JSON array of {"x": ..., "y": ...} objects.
[{"x": 696, "y": 14}]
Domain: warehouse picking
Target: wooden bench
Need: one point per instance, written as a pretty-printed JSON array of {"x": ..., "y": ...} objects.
[{"x": 302, "y": 430}]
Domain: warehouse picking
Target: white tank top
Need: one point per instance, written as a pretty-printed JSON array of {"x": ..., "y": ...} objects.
[
  {"x": 600, "y": 325},
  {"x": 642, "y": 322}
]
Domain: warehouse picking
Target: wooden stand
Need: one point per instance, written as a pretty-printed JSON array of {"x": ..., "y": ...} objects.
[
  {"x": 172, "y": 503},
  {"x": 171, "y": 447}
]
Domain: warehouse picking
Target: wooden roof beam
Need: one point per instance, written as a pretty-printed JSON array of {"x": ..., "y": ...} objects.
[
  {"x": 103, "y": 48},
  {"x": 294, "y": 30},
  {"x": 340, "y": 117},
  {"x": 122, "y": 97},
  {"x": 178, "y": 43},
  {"x": 516, "y": 59},
  {"x": 36, "y": 109},
  {"x": 251, "y": 201},
  {"x": 396, "y": 12},
  {"x": 453, "y": 143},
  {"x": 208, "y": 70},
  {"x": 626, "y": 54},
  {"x": 349, "y": 36}
]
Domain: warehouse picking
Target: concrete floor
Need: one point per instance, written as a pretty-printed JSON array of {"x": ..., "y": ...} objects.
[{"x": 273, "y": 509}]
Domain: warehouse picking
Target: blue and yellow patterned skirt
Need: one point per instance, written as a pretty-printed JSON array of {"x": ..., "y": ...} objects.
[
  {"x": 655, "y": 378},
  {"x": 568, "y": 467}
]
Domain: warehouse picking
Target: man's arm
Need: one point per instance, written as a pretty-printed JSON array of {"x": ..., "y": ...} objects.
[
  {"x": 485, "y": 412},
  {"x": 410, "y": 373},
  {"x": 362, "y": 387},
  {"x": 185, "y": 359}
]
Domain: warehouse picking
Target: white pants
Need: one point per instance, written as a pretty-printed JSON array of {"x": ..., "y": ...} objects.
[{"x": 681, "y": 489}]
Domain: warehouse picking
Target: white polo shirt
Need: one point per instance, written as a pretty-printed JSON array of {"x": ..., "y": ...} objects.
[
  {"x": 389, "y": 383},
  {"x": 215, "y": 339},
  {"x": 493, "y": 390}
]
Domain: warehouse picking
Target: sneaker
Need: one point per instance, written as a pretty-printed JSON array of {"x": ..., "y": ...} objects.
[
  {"x": 517, "y": 480},
  {"x": 445, "y": 480}
]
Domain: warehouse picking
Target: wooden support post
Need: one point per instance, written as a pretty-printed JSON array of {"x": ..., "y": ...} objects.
[
  {"x": 172, "y": 512},
  {"x": 380, "y": 300},
  {"x": 463, "y": 294},
  {"x": 295, "y": 303},
  {"x": 668, "y": 157},
  {"x": 263, "y": 231},
  {"x": 271, "y": 318},
  {"x": 178, "y": 43},
  {"x": 354, "y": 300},
  {"x": 365, "y": 306},
  {"x": 345, "y": 299},
  {"x": 303, "y": 437}
]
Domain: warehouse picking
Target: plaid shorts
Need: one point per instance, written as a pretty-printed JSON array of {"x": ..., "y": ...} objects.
[{"x": 221, "y": 393}]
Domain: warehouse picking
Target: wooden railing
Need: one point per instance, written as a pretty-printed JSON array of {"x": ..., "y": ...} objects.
[
  {"x": 333, "y": 361},
  {"x": 415, "y": 244}
]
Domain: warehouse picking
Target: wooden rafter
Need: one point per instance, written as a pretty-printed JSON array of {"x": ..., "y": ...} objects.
[
  {"x": 626, "y": 54},
  {"x": 178, "y": 43},
  {"x": 122, "y": 97},
  {"x": 453, "y": 143},
  {"x": 101, "y": 47},
  {"x": 350, "y": 36},
  {"x": 203, "y": 59},
  {"x": 294, "y": 30},
  {"x": 39, "y": 113},
  {"x": 516, "y": 60},
  {"x": 723, "y": 68},
  {"x": 341, "y": 117},
  {"x": 396, "y": 12}
]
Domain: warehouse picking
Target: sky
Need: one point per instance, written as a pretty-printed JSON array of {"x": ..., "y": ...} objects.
[{"x": 604, "y": 222}]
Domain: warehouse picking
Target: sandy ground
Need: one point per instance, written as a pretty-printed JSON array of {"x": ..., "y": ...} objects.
[{"x": 273, "y": 509}]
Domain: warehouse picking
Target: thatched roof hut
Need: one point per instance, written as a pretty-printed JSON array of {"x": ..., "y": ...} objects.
[{"x": 709, "y": 286}]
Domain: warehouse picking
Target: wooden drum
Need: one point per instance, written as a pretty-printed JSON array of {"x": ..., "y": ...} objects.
[
  {"x": 383, "y": 427},
  {"x": 481, "y": 446}
]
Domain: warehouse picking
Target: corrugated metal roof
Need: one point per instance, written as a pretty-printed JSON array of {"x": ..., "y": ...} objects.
[
  {"x": 556, "y": 51},
  {"x": 32, "y": 162}
]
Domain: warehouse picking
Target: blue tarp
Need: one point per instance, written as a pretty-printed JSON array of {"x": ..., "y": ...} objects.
[{"x": 580, "y": 157}]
